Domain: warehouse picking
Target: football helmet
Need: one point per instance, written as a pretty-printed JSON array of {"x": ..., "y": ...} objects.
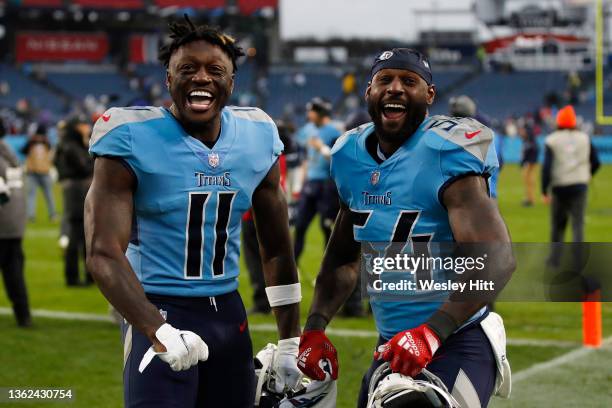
[
  {"x": 462, "y": 106},
  {"x": 394, "y": 390},
  {"x": 309, "y": 394}
]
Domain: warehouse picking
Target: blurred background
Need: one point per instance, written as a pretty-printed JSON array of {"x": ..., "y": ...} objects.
[{"x": 64, "y": 62}]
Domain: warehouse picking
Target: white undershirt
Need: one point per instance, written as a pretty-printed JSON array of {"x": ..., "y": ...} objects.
[{"x": 380, "y": 154}]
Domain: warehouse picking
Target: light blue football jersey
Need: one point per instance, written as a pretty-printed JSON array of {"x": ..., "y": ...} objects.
[
  {"x": 303, "y": 134},
  {"x": 318, "y": 165},
  {"x": 189, "y": 198},
  {"x": 399, "y": 199}
]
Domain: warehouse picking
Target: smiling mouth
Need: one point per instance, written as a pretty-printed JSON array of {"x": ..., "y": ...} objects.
[
  {"x": 394, "y": 111},
  {"x": 200, "y": 101}
]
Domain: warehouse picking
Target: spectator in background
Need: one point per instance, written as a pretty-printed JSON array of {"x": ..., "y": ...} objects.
[
  {"x": 318, "y": 194},
  {"x": 349, "y": 100},
  {"x": 75, "y": 169},
  {"x": 570, "y": 160},
  {"x": 529, "y": 159},
  {"x": 349, "y": 85},
  {"x": 24, "y": 110},
  {"x": 63, "y": 240},
  {"x": 12, "y": 226},
  {"x": 463, "y": 106},
  {"x": 573, "y": 86},
  {"x": 38, "y": 167},
  {"x": 481, "y": 56}
]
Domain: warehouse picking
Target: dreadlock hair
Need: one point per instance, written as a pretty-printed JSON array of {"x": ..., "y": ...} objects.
[{"x": 187, "y": 32}]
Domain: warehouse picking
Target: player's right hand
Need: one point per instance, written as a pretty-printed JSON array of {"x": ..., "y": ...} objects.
[
  {"x": 316, "y": 351},
  {"x": 184, "y": 349}
]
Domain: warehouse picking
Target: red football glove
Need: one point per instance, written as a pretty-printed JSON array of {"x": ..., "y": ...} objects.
[
  {"x": 315, "y": 348},
  {"x": 410, "y": 351}
]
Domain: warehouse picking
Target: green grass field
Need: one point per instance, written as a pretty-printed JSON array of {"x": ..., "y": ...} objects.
[{"x": 86, "y": 356}]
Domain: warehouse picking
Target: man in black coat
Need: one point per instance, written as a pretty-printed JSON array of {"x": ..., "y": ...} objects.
[
  {"x": 75, "y": 169},
  {"x": 12, "y": 226}
]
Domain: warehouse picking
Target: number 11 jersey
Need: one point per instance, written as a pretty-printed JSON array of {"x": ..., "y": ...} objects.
[{"x": 189, "y": 198}]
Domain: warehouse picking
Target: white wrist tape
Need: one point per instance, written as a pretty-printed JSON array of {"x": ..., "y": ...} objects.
[
  {"x": 284, "y": 294},
  {"x": 325, "y": 151}
]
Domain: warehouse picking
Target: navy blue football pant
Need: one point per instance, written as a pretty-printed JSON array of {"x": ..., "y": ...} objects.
[
  {"x": 226, "y": 379},
  {"x": 465, "y": 363}
]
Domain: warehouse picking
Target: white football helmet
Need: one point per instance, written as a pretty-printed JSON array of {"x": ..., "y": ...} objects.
[
  {"x": 309, "y": 394},
  {"x": 394, "y": 390}
]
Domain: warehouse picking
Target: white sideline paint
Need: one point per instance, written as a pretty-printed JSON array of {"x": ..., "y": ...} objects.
[
  {"x": 557, "y": 361},
  {"x": 54, "y": 314},
  {"x": 266, "y": 327}
]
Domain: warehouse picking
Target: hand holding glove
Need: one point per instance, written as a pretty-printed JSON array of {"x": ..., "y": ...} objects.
[
  {"x": 184, "y": 349},
  {"x": 287, "y": 374}
]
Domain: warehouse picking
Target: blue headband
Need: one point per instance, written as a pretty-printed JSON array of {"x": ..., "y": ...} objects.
[{"x": 403, "y": 58}]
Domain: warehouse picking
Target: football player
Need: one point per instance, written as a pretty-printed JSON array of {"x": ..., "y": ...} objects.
[
  {"x": 408, "y": 177},
  {"x": 163, "y": 231},
  {"x": 318, "y": 194}
]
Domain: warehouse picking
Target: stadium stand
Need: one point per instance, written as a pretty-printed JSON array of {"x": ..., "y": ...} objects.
[
  {"x": 501, "y": 95},
  {"x": 78, "y": 85},
  {"x": 22, "y": 86},
  {"x": 295, "y": 88}
]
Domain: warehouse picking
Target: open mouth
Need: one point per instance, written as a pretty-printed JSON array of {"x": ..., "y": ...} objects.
[
  {"x": 393, "y": 111},
  {"x": 200, "y": 101}
]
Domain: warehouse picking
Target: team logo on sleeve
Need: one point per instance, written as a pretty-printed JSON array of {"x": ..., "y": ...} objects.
[
  {"x": 213, "y": 159},
  {"x": 375, "y": 177}
]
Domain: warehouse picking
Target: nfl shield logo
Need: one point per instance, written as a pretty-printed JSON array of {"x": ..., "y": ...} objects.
[
  {"x": 213, "y": 159},
  {"x": 374, "y": 177}
]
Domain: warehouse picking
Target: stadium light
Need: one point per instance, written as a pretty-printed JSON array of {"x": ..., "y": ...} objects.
[
  {"x": 59, "y": 15},
  {"x": 123, "y": 16}
]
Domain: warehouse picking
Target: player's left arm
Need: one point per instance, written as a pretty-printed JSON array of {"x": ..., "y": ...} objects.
[
  {"x": 272, "y": 224},
  {"x": 474, "y": 219},
  {"x": 280, "y": 273}
]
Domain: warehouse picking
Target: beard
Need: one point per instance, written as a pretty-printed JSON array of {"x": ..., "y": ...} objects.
[{"x": 412, "y": 120}]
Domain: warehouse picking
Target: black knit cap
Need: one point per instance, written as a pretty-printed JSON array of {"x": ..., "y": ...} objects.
[{"x": 403, "y": 58}]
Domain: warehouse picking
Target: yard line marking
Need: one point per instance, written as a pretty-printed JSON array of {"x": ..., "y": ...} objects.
[
  {"x": 557, "y": 361},
  {"x": 43, "y": 233},
  {"x": 542, "y": 343},
  {"x": 267, "y": 327},
  {"x": 54, "y": 314}
]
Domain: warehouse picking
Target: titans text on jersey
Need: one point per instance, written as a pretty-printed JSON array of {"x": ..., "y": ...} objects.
[
  {"x": 400, "y": 199},
  {"x": 189, "y": 198}
]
